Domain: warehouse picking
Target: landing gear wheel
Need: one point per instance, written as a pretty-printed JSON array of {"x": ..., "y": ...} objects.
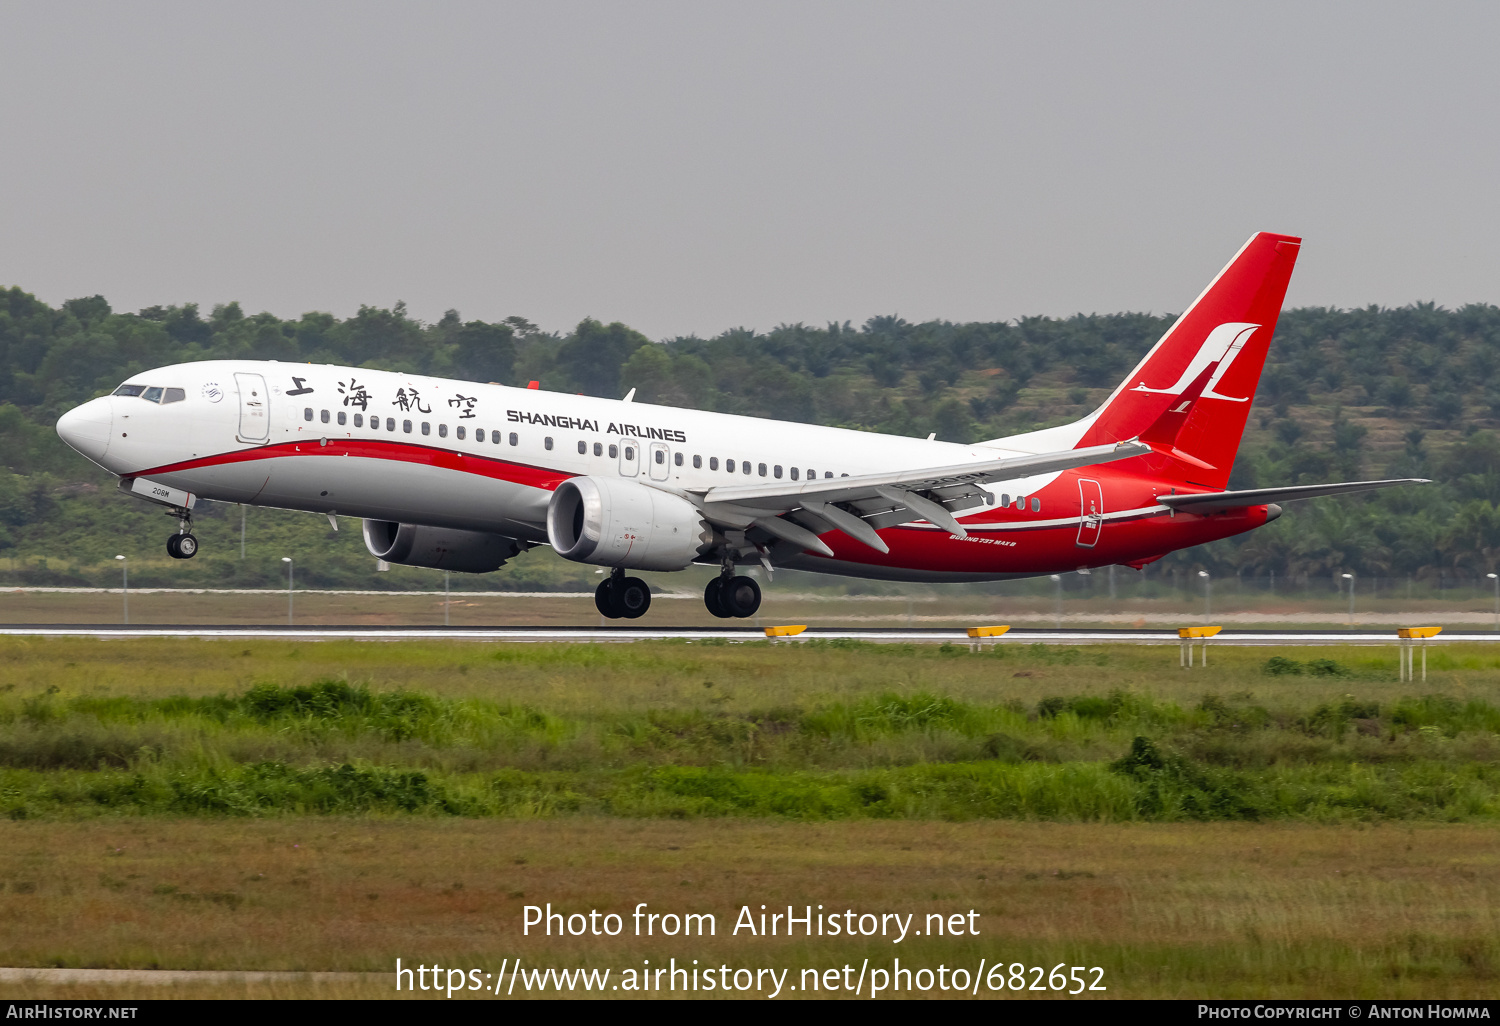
[
  {"x": 632, "y": 597},
  {"x": 187, "y": 546},
  {"x": 740, "y": 596},
  {"x": 173, "y": 540},
  {"x": 713, "y": 598},
  {"x": 603, "y": 599}
]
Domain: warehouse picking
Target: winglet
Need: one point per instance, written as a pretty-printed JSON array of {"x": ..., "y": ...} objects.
[{"x": 1162, "y": 435}]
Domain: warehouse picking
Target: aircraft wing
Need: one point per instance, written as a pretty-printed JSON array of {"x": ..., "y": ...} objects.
[
  {"x": 1214, "y": 502},
  {"x": 899, "y": 497}
]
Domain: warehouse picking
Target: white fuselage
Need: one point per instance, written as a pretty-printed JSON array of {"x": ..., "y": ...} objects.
[{"x": 428, "y": 450}]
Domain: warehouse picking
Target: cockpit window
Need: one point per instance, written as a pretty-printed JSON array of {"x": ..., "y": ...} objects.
[
  {"x": 173, "y": 395},
  {"x": 130, "y": 390},
  {"x": 152, "y": 394}
]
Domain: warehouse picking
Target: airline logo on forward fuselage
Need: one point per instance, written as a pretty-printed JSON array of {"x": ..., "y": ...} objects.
[{"x": 1222, "y": 346}]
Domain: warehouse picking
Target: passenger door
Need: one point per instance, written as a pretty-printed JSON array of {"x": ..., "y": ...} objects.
[
  {"x": 255, "y": 407},
  {"x": 630, "y": 457},
  {"x": 1091, "y": 521},
  {"x": 661, "y": 461}
]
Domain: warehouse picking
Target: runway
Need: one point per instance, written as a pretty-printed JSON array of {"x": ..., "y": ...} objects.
[{"x": 731, "y": 635}]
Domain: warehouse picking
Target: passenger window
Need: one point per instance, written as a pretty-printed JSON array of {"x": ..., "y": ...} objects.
[
  {"x": 514, "y": 438},
  {"x": 827, "y": 473},
  {"x": 1036, "y": 504},
  {"x": 614, "y": 451},
  {"x": 152, "y": 394},
  {"x": 661, "y": 457},
  {"x": 583, "y": 447},
  {"x": 547, "y": 443},
  {"x": 390, "y": 423},
  {"x": 841, "y": 475},
  {"x": 479, "y": 434},
  {"x": 677, "y": 458},
  {"x": 713, "y": 463},
  {"x": 323, "y": 416},
  {"x": 1005, "y": 499},
  {"x": 307, "y": 413},
  {"x": 459, "y": 431},
  {"x": 745, "y": 467},
  {"x": 130, "y": 390},
  {"x": 173, "y": 395},
  {"x": 426, "y": 428},
  {"x": 762, "y": 470},
  {"x": 406, "y": 426},
  {"x": 697, "y": 462},
  {"x": 359, "y": 420},
  {"x": 794, "y": 473},
  {"x": 598, "y": 449},
  {"x": 812, "y": 475},
  {"x": 442, "y": 430},
  {"x": 729, "y": 466},
  {"x": 343, "y": 418},
  {"x": 630, "y": 452}
]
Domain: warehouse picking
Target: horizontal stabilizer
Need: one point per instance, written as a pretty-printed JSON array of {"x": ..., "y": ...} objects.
[{"x": 1213, "y": 502}]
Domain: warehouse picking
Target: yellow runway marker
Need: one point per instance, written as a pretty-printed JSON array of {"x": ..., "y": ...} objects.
[{"x": 1191, "y": 636}]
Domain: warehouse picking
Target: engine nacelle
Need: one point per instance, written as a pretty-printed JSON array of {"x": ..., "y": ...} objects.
[
  {"x": 441, "y": 548},
  {"x": 610, "y": 522}
]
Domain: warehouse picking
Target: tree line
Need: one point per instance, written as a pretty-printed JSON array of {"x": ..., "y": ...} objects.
[{"x": 1413, "y": 391}]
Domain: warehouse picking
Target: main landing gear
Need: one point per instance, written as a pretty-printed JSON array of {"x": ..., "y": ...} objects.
[
  {"x": 728, "y": 596},
  {"x": 619, "y": 596},
  {"x": 182, "y": 545}
]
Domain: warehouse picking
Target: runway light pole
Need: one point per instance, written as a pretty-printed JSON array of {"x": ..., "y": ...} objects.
[
  {"x": 288, "y": 561},
  {"x": 1208, "y": 594},
  {"x": 1496, "y": 579},
  {"x": 1350, "y": 579},
  {"x": 125, "y": 584},
  {"x": 1057, "y": 601}
]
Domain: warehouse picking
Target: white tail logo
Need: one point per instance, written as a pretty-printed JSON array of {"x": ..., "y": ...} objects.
[{"x": 1222, "y": 346}]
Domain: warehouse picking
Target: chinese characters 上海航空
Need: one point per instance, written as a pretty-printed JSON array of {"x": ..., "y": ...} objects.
[
  {"x": 409, "y": 400},
  {"x": 465, "y": 406}
]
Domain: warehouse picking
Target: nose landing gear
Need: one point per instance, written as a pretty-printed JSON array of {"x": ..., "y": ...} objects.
[
  {"x": 624, "y": 597},
  {"x": 182, "y": 545}
]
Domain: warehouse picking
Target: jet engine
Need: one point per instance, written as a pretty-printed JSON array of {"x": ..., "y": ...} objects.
[
  {"x": 442, "y": 548},
  {"x": 616, "y": 523}
]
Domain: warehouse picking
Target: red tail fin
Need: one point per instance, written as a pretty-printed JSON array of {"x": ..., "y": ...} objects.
[{"x": 1211, "y": 359}]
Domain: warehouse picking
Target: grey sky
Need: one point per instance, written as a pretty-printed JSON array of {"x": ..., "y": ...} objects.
[{"x": 690, "y": 167}]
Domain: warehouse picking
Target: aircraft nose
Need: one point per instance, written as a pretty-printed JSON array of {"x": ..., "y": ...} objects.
[{"x": 86, "y": 428}]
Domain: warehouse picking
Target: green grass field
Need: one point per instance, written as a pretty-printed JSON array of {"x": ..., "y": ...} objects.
[
  {"x": 1291, "y": 822},
  {"x": 824, "y": 730}
]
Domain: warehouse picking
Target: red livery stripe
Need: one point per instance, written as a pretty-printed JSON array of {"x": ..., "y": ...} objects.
[{"x": 380, "y": 449}]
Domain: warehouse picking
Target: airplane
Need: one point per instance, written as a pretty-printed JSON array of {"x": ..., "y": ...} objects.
[{"x": 464, "y": 476}]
